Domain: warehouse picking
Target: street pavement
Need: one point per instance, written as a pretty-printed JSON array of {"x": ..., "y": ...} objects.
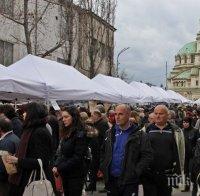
[
  {"x": 100, "y": 186},
  {"x": 176, "y": 193}
]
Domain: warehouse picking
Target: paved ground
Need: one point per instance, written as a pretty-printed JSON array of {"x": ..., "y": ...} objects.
[
  {"x": 176, "y": 193},
  {"x": 100, "y": 186}
]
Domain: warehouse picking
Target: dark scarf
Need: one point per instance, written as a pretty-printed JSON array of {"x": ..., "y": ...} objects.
[{"x": 21, "y": 153}]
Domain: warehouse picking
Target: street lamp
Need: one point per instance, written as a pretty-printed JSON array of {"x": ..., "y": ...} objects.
[{"x": 123, "y": 50}]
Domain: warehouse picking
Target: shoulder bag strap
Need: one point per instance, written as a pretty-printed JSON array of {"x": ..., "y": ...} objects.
[
  {"x": 42, "y": 174},
  {"x": 32, "y": 177}
]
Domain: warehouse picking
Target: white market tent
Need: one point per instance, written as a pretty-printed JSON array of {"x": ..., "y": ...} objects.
[
  {"x": 165, "y": 96},
  {"x": 178, "y": 96},
  {"x": 127, "y": 93},
  {"x": 149, "y": 94},
  {"x": 37, "y": 78},
  {"x": 14, "y": 87},
  {"x": 144, "y": 95},
  {"x": 2, "y": 66},
  {"x": 59, "y": 81}
]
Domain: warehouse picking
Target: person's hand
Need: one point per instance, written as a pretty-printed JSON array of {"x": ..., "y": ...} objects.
[
  {"x": 55, "y": 171},
  {"x": 11, "y": 159}
]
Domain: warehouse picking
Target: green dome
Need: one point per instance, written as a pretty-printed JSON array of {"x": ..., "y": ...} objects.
[{"x": 188, "y": 48}]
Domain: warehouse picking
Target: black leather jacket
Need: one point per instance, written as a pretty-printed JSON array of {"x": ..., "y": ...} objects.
[
  {"x": 70, "y": 161},
  {"x": 138, "y": 155}
]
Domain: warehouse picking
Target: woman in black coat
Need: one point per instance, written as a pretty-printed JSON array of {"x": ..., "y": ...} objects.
[
  {"x": 70, "y": 163},
  {"x": 191, "y": 136},
  {"x": 36, "y": 143}
]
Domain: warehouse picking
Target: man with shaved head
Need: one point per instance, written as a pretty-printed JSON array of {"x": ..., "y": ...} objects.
[
  {"x": 126, "y": 153},
  {"x": 167, "y": 141}
]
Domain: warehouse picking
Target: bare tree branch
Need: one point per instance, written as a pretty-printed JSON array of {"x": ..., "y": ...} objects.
[
  {"x": 12, "y": 19},
  {"x": 18, "y": 40},
  {"x": 86, "y": 70},
  {"x": 40, "y": 17},
  {"x": 53, "y": 49}
]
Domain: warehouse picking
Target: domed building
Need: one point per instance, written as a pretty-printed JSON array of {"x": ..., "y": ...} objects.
[{"x": 185, "y": 76}]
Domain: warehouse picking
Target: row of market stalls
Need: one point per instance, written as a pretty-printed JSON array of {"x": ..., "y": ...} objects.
[{"x": 37, "y": 78}]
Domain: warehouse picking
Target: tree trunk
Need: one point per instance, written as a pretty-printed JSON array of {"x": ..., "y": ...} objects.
[{"x": 26, "y": 30}]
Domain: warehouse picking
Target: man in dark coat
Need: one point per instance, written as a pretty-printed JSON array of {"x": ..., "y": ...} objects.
[
  {"x": 168, "y": 144},
  {"x": 8, "y": 142},
  {"x": 126, "y": 153}
]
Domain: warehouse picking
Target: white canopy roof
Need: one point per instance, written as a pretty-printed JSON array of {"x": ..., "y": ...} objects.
[
  {"x": 148, "y": 94},
  {"x": 14, "y": 87},
  {"x": 2, "y": 66},
  {"x": 178, "y": 96},
  {"x": 165, "y": 96},
  {"x": 61, "y": 82},
  {"x": 127, "y": 93}
]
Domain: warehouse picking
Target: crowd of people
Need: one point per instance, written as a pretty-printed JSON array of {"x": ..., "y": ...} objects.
[{"x": 157, "y": 147}]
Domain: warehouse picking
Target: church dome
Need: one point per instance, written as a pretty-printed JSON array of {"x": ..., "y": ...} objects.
[{"x": 188, "y": 48}]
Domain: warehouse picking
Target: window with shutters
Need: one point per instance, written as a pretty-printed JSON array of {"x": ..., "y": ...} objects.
[
  {"x": 6, "y": 53},
  {"x": 6, "y": 7}
]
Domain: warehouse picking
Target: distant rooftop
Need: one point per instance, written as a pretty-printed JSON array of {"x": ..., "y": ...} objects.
[{"x": 183, "y": 75}]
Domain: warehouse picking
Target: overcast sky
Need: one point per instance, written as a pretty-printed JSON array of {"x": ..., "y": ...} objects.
[{"x": 154, "y": 30}]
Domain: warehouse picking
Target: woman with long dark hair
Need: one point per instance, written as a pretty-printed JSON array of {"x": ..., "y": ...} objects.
[
  {"x": 70, "y": 163},
  {"x": 36, "y": 143}
]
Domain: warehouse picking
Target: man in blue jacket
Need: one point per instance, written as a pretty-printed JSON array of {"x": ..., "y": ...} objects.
[{"x": 126, "y": 153}]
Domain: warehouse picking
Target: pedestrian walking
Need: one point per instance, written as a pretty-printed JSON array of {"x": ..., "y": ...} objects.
[
  {"x": 70, "y": 162},
  {"x": 126, "y": 153},
  {"x": 167, "y": 141}
]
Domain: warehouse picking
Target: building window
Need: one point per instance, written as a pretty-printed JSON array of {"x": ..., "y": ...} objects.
[
  {"x": 197, "y": 83},
  {"x": 94, "y": 49},
  {"x": 182, "y": 83},
  {"x": 192, "y": 58},
  {"x": 102, "y": 54},
  {"x": 6, "y": 7},
  {"x": 6, "y": 53},
  {"x": 179, "y": 59},
  {"x": 80, "y": 58},
  {"x": 60, "y": 60},
  {"x": 110, "y": 52},
  {"x": 185, "y": 59}
]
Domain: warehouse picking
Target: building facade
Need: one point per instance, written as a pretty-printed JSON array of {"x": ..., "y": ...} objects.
[
  {"x": 58, "y": 31},
  {"x": 185, "y": 76}
]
